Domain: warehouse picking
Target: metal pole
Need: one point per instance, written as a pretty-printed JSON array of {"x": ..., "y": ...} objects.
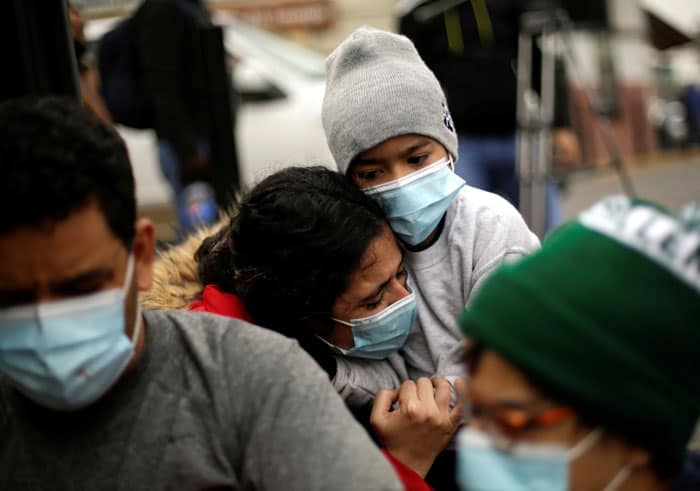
[
  {"x": 535, "y": 116},
  {"x": 524, "y": 117},
  {"x": 543, "y": 162}
]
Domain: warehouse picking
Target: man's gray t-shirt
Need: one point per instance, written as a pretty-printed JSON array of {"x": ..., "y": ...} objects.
[{"x": 213, "y": 403}]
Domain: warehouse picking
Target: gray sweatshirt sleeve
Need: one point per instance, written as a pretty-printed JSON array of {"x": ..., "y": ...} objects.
[
  {"x": 357, "y": 380},
  {"x": 298, "y": 433},
  {"x": 508, "y": 239},
  {"x": 485, "y": 234}
]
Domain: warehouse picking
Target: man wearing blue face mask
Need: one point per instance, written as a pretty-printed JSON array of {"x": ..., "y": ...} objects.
[{"x": 94, "y": 393}]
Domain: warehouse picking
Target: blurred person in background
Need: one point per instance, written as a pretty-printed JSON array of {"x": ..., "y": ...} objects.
[
  {"x": 472, "y": 48},
  {"x": 174, "y": 81},
  {"x": 584, "y": 367},
  {"x": 89, "y": 76}
]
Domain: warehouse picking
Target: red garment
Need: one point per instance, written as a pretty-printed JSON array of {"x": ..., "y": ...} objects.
[
  {"x": 216, "y": 301},
  {"x": 410, "y": 479}
]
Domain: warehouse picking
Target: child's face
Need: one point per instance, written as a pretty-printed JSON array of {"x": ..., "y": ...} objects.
[{"x": 395, "y": 158}]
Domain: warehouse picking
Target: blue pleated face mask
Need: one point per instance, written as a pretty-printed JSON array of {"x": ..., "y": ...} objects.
[
  {"x": 416, "y": 203},
  {"x": 379, "y": 335},
  {"x": 483, "y": 466},
  {"x": 66, "y": 354}
]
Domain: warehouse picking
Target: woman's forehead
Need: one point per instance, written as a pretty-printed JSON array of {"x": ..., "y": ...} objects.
[{"x": 378, "y": 265}]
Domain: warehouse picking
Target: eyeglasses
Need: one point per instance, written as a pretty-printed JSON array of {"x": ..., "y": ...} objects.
[{"x": 511, "y": 420}]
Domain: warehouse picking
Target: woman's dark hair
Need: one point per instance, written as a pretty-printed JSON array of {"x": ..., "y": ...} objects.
[{"x": 291, "y": 247}]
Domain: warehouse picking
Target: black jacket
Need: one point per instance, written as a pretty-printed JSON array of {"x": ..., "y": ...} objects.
[
  {"x": 689, "y": 479},
  {"x": 173, "y": 69},
  {"x": 472, "y": 49}
]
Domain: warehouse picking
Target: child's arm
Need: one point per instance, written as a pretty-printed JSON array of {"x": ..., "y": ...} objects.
[
  {"x": 505, "y": 238},
  {"x": 358, "y": 380}
]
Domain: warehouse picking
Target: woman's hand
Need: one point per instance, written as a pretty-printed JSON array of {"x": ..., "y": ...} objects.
[{"x": 418, "y": 430}]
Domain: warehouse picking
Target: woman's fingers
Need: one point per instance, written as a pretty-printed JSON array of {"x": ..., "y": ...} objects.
[
  {"x": 426, "y": 392},
  {"x": 382, "y": 404},
  {"x": 443, "y": 393},
  {"x": 408, "y": 394}
]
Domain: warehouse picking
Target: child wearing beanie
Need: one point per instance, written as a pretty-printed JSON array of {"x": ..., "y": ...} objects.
[
  {"x": 603, "y": 323},
  {"x": 389, "y": 129}
]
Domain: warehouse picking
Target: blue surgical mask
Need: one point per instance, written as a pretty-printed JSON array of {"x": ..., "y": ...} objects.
[
  {"x": 416, "y": 203},
  {"x": 66, "y": 354},
  {"x": 483, "y": 466},
  {"x": 379, "y": 335}
]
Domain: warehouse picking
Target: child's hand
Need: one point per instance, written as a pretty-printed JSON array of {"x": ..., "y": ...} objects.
[{"x": 417, "y": 431}]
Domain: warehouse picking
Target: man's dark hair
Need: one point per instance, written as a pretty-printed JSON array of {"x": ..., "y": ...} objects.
[
  {"x": 55, "y": 157},
  {"x": 291, "y": 247}
]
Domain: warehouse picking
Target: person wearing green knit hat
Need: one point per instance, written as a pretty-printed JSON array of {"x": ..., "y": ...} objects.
[{"x": 585, "y": 357}]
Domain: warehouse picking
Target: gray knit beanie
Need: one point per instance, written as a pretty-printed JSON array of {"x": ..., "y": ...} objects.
[{"x": 378, "y": 87}]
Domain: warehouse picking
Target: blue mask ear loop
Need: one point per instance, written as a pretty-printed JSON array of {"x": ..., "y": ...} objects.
[
  {"x": 451, "y": 163},
  {"x": 334, "y": 348},
  {"x": 585, "y": 445},
  {"x": 138, "y": 322},
  {"x": 620, "y": 478}
]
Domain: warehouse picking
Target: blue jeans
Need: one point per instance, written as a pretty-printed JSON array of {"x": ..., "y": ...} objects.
[
  {"x": 170, "y": 167},
  {"x": 489, "y": 163}
]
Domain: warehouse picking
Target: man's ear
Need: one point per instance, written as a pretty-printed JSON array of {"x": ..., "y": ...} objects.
[{"x": 144, "y": 253}]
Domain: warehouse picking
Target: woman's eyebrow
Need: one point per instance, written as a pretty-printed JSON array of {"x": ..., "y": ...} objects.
[{"x": 376, "y": 293}]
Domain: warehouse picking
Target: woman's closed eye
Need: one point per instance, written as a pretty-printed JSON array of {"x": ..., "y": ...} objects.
[
  {"x": 374, "y": 305},
  {"x": 401, "y": 276}
]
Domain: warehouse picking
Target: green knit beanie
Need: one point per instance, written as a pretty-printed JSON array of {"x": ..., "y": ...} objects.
[{"x": 606, "y": 318}]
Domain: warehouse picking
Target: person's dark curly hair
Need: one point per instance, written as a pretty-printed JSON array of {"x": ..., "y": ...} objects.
[
  {"x": 55, "y": 157},
  {"x": 291, "y": 247}
]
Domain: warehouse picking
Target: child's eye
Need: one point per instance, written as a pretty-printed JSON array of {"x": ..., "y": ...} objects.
[
  {"x": 367, "y": 175},
  {"x": 417, "y": 159}
]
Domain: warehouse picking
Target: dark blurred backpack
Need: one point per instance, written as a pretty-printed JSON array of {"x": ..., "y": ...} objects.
[{"x": 122, "y": 85}]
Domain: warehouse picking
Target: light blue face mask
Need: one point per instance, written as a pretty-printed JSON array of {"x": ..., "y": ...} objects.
[
  {"x": 416, "y": 203},
  {"x": 379, "y": 335},
  {"x": 482, "y": 466},
  {"x": 66, "y": 354}
]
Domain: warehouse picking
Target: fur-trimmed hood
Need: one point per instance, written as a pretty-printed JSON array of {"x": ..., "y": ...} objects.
[{"x": 175, "y": 278}]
